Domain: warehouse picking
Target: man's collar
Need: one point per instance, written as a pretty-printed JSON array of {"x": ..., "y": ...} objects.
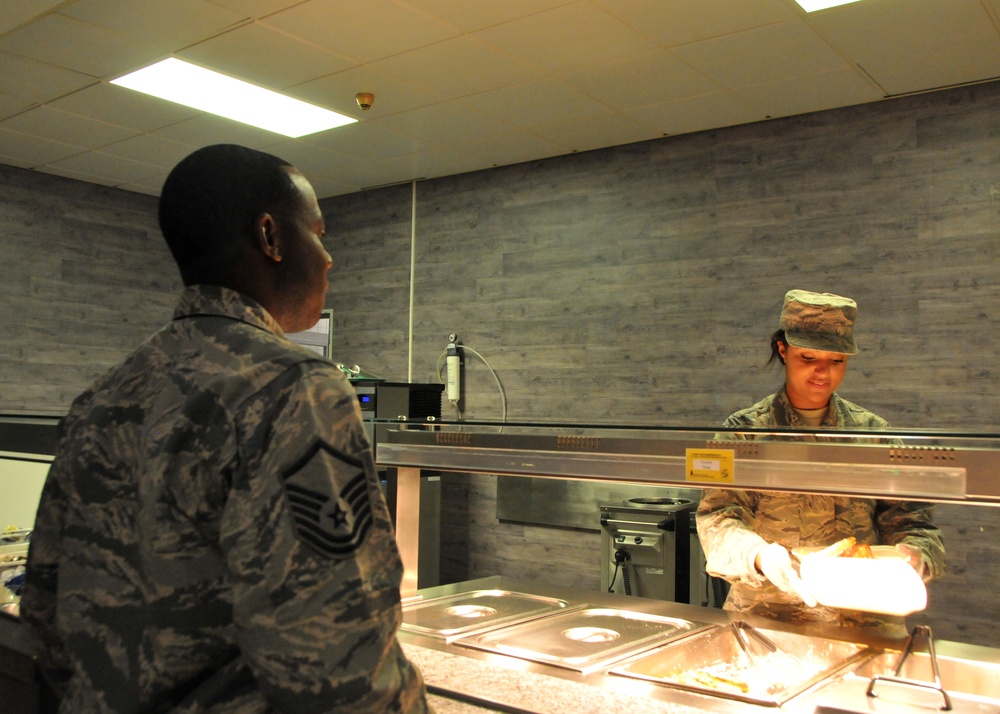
[{"x": 223, "y": 302}]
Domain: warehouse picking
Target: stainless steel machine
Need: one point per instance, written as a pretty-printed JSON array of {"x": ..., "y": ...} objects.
[{"x": 649, "y": 548}]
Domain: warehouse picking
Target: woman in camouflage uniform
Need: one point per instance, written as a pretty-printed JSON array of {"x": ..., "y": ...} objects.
[{"x": 747, "y": 535}]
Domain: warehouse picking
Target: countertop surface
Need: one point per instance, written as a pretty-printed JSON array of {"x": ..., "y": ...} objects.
[{"x": 494, "y": 688}]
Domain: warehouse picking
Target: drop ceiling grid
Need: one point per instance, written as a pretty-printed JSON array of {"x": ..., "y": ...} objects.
[{"x": 461, "y": 85}]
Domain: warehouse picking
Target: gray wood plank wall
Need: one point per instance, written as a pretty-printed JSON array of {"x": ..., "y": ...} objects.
[
  {"x": 641, "y": 284},
  {"x": 84, "y": 277},
  {"x": 632, "y": 284}
]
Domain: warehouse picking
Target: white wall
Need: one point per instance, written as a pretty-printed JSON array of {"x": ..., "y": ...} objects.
[{"x": 21, "y": 486}]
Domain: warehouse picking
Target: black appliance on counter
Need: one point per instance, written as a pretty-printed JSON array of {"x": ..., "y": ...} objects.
[{"x": 397, "y": 401}]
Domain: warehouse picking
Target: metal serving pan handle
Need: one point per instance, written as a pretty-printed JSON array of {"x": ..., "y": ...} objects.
[{"x": 924, "y": 632}]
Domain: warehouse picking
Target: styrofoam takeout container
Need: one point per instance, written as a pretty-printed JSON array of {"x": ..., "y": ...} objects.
[{"x": 885, "y": 583}]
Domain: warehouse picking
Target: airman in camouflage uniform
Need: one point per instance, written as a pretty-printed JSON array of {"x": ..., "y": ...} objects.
[
  {"x": 734, "y": 526},
  {"x": 212, "y": 536}
]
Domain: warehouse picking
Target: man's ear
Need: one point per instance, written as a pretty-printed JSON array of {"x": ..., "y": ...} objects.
[{"x": 267, "y": 236}]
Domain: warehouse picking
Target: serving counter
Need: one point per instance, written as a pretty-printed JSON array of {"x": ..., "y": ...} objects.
[
  {"x": 648, "y": 678},
  {"x": 494, "y": 670}
]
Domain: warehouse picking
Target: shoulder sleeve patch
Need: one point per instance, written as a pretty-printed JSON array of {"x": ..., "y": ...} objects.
[{"x": 327, "y": 494}]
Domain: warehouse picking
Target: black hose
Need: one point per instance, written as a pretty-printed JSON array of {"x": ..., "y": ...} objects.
[{"x": 622, "y": 557}]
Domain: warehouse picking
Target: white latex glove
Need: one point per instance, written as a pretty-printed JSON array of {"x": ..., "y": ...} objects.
[
  {"x": 914, "y": 557},
  {"x": 776, "y": 565}
]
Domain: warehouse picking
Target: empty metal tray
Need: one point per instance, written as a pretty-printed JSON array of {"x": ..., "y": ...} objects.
[
  {"x": 454, "y": 616},
  {"x": 584, "y": 640},
  {"x": 713, "y": 663}
]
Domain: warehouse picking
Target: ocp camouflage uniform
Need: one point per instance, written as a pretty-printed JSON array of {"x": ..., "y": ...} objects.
[
  {"x": 212, "y": 534},
  {"x": 733, "y": 525}
]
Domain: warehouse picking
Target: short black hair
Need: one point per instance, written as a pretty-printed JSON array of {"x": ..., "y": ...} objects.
[{"x": 210, "y": 201}]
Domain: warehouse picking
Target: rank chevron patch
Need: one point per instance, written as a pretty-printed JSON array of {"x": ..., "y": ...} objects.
[{"x": 334, "y": 524}]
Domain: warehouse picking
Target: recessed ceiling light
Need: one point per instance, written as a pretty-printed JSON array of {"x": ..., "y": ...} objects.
[
  {"x": 814, "y": 5},
  {"x": 200, "y": 88}
]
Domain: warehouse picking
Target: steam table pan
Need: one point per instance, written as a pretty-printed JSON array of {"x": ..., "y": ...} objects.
[
  {"x": 713, "y": 663},
  {"x": 462, "y": 614},
  {"x": 584, "y": 640}
]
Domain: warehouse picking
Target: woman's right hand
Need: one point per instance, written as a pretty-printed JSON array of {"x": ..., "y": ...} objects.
[{"x": 775, "y": 564}]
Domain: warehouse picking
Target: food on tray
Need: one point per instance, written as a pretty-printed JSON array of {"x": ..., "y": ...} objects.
[
  {"x": 847, "y": 548},
  {"x": 705, "y": 679},
  {"x": 762, "y": 676},
  {"x": 869, "y": 578}
]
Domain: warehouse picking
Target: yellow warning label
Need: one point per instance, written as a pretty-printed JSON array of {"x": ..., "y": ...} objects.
[{"x": 714, "y": 465}]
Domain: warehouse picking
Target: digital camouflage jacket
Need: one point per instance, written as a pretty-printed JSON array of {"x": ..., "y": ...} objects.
[
  {"x": 733, "y": 525},
  {"x": 212, "y": 535}
]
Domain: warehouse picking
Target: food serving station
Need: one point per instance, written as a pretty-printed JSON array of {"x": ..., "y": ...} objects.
[{"x": 528, "y": 647}]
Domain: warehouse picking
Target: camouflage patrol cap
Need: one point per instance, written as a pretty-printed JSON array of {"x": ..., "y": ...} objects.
[{"x": 819, "y": 321}]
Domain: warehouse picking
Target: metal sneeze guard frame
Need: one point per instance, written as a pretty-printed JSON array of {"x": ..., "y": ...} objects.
[{"x": 913, "y": 465}]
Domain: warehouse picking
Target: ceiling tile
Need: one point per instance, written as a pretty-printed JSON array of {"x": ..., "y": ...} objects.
[
  {"x": 37, "y": 81},
  {"x": 113, "y": 168},
  {"x": 363, "y": 31},
  {"x": 470, "y": 16},
  {"x": 428, "y": 164},
  {"x": 325, "y": 186},
  {"x": 55, "y": 125},
  {"x": 709, "y": 111},
  {"x": 9, "y": 106},
  {"x": 162, "y": 26},
  {"x": 309, "y": 158},
  {"x": 567, "y": 38},
  {"x": 444, "y": 124},
  {"x": 934, "y": 43},
  {"x": 420, "y": 165},
  {"x": 648, "y": 79},
  {"x": 508, "y": 81},
  {"x": 78, "y": 175},
  {"x": 352, "y": 171},
  {"x": 33, "y": 151},
  {"x": 287, "y": 61},
  {"x": 812, "y": 93},
  {"x": 207, "y": 129},
  {"x": 535, "y": 104},
  {"x": 17, "y": 12},
  {"x": 680, "y": 22},
  {"x": 125, "y": 107},
  {"x": 510, "y": 148},
  {"x": 369, "y": 142},
  {"x": 765, "y": 54},
  {"x": 255, "y": 8},
  {"x": 612, "y": 129},
  {"x": 337, "y": 92},
  {"x": 471, "y": 68},
  {"x": 151, "y": 150},
  {"x": 65, "y": 42}
]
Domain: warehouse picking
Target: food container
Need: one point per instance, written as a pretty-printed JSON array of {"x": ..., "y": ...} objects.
[
  {"x": 885, "y": 583},
  {"x": 454, "y": 616},
  {"x": 714, "y": 663},
  {"x": 583, "y": 640}
]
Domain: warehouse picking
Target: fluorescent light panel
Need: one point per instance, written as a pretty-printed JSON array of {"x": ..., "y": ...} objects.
[
  {"x": 200, "y": 88},
  {"x": 814, "y": 5}
]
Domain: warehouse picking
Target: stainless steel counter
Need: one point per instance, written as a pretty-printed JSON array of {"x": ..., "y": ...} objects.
[{"x": 523, "y": 683}]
